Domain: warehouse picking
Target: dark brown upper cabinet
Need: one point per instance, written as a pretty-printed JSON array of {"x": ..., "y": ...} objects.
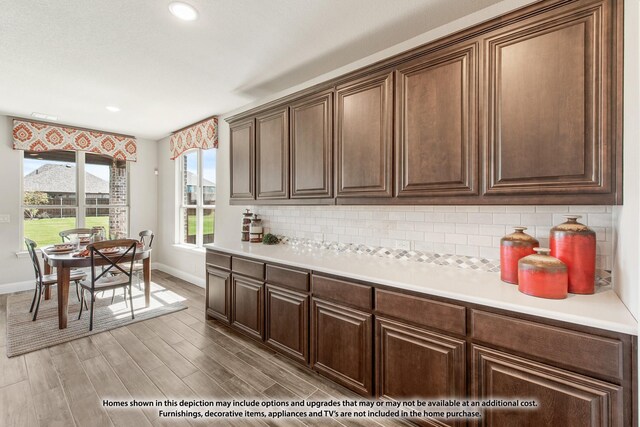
[
  {"x": 272, "y": 154},
  {"x": 242, "y": 160},
  {"x": 548, "y": 92},
  {"x": 312, "y": 146},
  {"x": 436, "y": 133},
  {"x": 364, "y": 137}
]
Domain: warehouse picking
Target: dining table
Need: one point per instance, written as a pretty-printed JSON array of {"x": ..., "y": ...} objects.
[{"x": 65, "y": 262}]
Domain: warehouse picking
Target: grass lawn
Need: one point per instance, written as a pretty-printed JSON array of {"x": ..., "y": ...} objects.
[
  {"x": 45, "y": 231},
  {"x": 208, "y": 225}
]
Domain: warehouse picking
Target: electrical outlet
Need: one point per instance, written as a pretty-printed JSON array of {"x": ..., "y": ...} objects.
[
  {"x": 403, "y": 244},
  {"x": 5, "y": 218}
]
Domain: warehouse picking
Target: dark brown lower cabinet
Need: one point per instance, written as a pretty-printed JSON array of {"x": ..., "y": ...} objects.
[
  {"x": 563, "y": 398},
  {"x": 416, "y": 363},
  {"x": 247, "y": 300},
  {"x": 218, "y": 293},
  {"x": 342, "y": 346},
  {"x": 287, "y": 322}
]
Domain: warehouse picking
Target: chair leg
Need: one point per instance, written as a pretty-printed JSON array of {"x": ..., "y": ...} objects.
[
  {"x": 33, "y": 303},
  {"x": 77, "y": 290},
  {"x": 113, "y": 295},
  {"x": 82, "y": 304},
  {"x": 93, "y": 299},
  {"x": 35, "y": 313},
  {"x": 130, "y": 301}
]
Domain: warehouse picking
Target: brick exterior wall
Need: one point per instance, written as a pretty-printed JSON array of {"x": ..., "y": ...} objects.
[{"x": 118, "y": 218}]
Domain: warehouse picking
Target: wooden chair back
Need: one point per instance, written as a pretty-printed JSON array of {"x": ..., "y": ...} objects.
[
  {"x": 96, "y": 251},
  {"x": 144, "y": 235},
  {"x": 31, "y": 247},
  {"x": 66, "y": 234}
]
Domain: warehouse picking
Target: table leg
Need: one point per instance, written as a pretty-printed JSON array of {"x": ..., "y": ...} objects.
[
  {"x": 47, "y": 289},
  {"x": 63, "y": 295},
  {"x": 146, "y": 268}
]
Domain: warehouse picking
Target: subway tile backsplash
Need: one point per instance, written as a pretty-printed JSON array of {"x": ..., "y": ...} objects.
[{"x": 473, "y": 231}]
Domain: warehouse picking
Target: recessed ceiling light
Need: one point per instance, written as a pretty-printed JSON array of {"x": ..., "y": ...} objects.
[
  {"x": 183, "y": 11},
  {"x": 112, "y": 108},
  {"x": 43, "y": 116}
]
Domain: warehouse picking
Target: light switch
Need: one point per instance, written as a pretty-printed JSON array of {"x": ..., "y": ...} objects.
[{"x": 5, "y": 218}]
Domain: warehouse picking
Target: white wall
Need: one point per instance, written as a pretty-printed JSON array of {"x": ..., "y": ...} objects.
[
  {"x": 17, "y": 272},
  {"x": 626, "y": 271}
]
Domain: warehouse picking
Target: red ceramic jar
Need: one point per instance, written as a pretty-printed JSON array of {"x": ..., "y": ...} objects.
[
  {"x": 513, "y": 247},
  {"x": 543, "y": 276},
  {"x": 575, "y": 245}
]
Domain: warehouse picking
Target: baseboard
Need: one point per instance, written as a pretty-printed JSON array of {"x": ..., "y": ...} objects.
[
  {"x": 198, "y": 281},
  {"x": 8, "y": 288}
]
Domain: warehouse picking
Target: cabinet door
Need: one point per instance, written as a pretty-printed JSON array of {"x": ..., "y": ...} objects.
[
  {"x": 311, "y": 146},
  {"x": 218, "y": 294},
  {"x": 364, "y": 115},
  {"x": 563, "y": 398},
  {"x": 548, "y": 96},
  {"x": 242, "y": 161},
  {"x": 247, "y": 301},
  {"x": 436, "y": 131},
  {"x": 341, "y": 345},
  {"x": 287, "y": 322},
  {"x": 272, "y": 154}
]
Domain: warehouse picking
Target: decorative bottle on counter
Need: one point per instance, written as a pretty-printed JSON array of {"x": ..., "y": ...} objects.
[
  {"x": 575, "y": 245},
  {"x": 542, "y": 275},
  {"x": 513, "y": 247},
  {"x": 256, "y": 230},
  {"x": 246, "y": 225}
]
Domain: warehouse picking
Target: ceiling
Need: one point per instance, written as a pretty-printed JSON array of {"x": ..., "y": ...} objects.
[{"x": 73, "y": 58}]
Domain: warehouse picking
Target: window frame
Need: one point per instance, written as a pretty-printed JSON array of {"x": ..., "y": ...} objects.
[
  {"x": 200, "y": 207},
  {"x": 80, "y": 205}
]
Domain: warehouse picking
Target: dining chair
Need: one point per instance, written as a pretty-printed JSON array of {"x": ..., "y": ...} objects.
[
  {"x": 66, "y": 234},
  {"x": 104, "y": 279},
  {"x": 146, "y": 238},
  {"x": 44, "y": 280}
]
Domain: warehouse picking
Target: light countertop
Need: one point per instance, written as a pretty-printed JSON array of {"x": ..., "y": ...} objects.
[{"x": 602, "y": 310}]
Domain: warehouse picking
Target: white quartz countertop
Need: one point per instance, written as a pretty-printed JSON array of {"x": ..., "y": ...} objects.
[{"x": 602, "y": 310}]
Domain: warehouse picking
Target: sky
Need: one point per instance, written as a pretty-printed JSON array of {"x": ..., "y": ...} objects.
[{"x": 101, "y": 171}]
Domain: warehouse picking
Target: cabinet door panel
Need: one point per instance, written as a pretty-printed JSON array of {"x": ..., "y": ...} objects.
[
  {"x": 218, "y": 294},
  {"x": 248, "y": 306},
  {"x": 414, "y": 363},
  {"x": 436, "y": 124},
  {"x": 546, "y": 86},
  {"x": 364, "y": 137},
  {"x": 242, "y": 160},
  {"x": 311, "y": 147},
  {"x": 342, "y": 345},
  {"x": 563, "y": 398},
  {"x": 287, "y": 322},
  {"x": 272, "y": 155}
]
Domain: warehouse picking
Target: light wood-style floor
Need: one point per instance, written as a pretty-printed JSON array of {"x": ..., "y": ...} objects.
[{"x": 178, "y": 356}]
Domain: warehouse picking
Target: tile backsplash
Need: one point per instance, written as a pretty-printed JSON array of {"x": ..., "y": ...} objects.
[{"x": 473, "y": 231}]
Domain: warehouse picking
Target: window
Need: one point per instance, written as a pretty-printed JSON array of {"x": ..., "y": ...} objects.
[
  {"x": 197, "y": 174},
  {"x": 51, "y": 183}
]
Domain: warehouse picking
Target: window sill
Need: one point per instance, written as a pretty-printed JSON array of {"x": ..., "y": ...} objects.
[{"x": 189, "y": 248}]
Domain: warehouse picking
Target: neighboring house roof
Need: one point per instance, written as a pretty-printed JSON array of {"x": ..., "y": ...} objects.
[
  {"x": 192, "y": 180},
  {"x": 52, "y": 178}
]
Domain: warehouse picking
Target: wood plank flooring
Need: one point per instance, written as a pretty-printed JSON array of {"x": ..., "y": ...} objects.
[{"x": 180, "y": 355}]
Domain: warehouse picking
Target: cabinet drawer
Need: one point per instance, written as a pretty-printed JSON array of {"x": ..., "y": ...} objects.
[
  {"x": 294, "y": 279},
  {"x": 357, "y": 295},
  {"x": 219, "y": 260},
  {"x": 247, "y": 267},
  {"x": 575, "y": 350},
  {"x": 435, "y": 314}
]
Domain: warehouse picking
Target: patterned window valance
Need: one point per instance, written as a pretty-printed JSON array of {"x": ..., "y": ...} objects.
[
  {"x": 37, "y": 136},
  {"x": 203, "y": 135}
]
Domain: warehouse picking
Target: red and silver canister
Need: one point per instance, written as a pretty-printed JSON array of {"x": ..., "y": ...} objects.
[
  {"x": 513, "y": 247},
  {"x": 541, "y": 275},
  {"x": 575, "y": 245}
]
